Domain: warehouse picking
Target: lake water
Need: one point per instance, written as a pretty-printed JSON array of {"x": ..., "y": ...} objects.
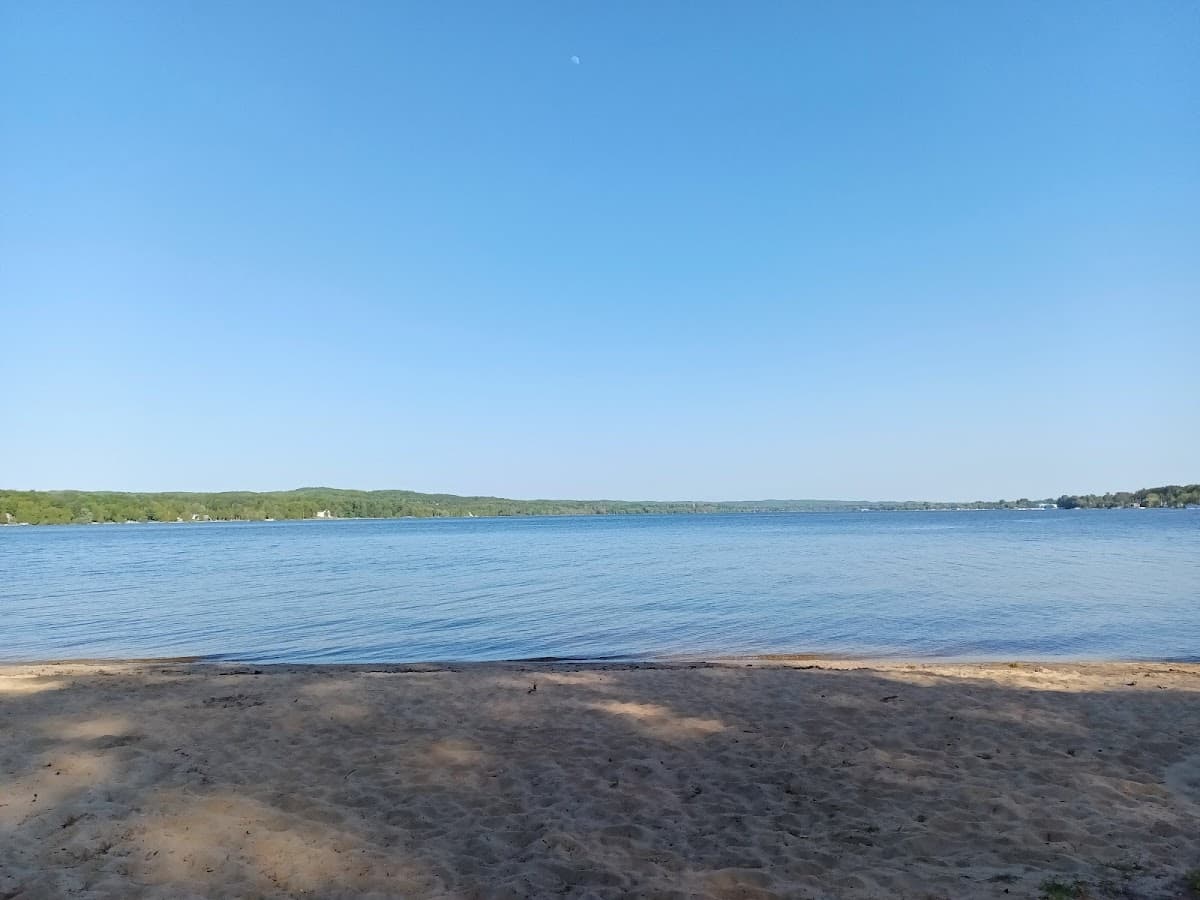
[{"x": 995, "y": 584}]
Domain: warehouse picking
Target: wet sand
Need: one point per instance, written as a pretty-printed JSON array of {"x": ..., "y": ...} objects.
[{"x": 779, "y": 778}]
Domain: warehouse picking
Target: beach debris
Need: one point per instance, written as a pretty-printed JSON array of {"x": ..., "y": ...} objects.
[
  {"x": 889, "y": 698},
  {"x": 532, "y": 688}
]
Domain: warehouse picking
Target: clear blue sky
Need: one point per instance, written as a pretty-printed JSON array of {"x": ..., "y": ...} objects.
[{"x": 736, "y": 250}]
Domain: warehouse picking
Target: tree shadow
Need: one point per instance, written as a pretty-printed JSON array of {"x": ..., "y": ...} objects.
[{"x": 609, "y": 780}]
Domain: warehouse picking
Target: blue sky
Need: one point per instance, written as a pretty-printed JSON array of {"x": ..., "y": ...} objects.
[{"x": 861, "y": 250}]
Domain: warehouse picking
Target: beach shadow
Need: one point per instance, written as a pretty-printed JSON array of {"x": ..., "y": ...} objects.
[{"x": 596, "y": 781}]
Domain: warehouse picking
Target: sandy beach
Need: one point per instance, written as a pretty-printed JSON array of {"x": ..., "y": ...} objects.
[{"x": 740, "y": 779}]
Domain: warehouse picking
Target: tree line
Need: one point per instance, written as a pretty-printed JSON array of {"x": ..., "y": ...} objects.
[
  {"x": 82, "y": 507},
  {"x": 1170, "y": 495}
]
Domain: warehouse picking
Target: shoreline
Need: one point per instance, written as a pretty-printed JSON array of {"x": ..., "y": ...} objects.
[
  {"x": 833, "y": 661},
  {"x": 609, "y": 515},
  {"x": 812, "y": 777}
]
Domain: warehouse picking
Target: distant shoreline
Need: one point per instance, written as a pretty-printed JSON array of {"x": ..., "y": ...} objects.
[
  {"x": 614, "y": 515},
  {"x": 611, "y": 515},
  {"x": 26, "y": 508}
]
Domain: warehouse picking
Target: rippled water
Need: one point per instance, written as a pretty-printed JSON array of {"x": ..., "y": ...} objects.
[{"x": 950, "y": 584}]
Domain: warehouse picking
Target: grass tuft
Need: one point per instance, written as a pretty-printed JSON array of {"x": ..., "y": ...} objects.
[
  {"x": 1192, "y": 880},
  {"x": 1056, "y": 889}
]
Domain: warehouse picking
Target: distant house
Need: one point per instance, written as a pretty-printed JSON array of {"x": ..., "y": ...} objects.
[{"x": 324, "y": 514}]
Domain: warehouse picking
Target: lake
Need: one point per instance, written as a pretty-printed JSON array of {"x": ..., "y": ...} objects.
[{"x": 972, "y": 584}]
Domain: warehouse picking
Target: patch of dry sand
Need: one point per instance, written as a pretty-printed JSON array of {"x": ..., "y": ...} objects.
[{"x": 771, "y": 779}]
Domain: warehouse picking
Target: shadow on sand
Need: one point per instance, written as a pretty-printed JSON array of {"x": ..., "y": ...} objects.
[{"x": 599, "y": 780}]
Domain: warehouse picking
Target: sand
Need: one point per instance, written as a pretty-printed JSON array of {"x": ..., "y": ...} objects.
[{"x": 739, "y": 780}]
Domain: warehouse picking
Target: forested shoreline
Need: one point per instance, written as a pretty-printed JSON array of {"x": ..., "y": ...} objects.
[{"x": 84, "y": 507}]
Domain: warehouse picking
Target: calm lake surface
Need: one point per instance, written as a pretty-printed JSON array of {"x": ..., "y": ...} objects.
[{"x": 1002, "y": 584}]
